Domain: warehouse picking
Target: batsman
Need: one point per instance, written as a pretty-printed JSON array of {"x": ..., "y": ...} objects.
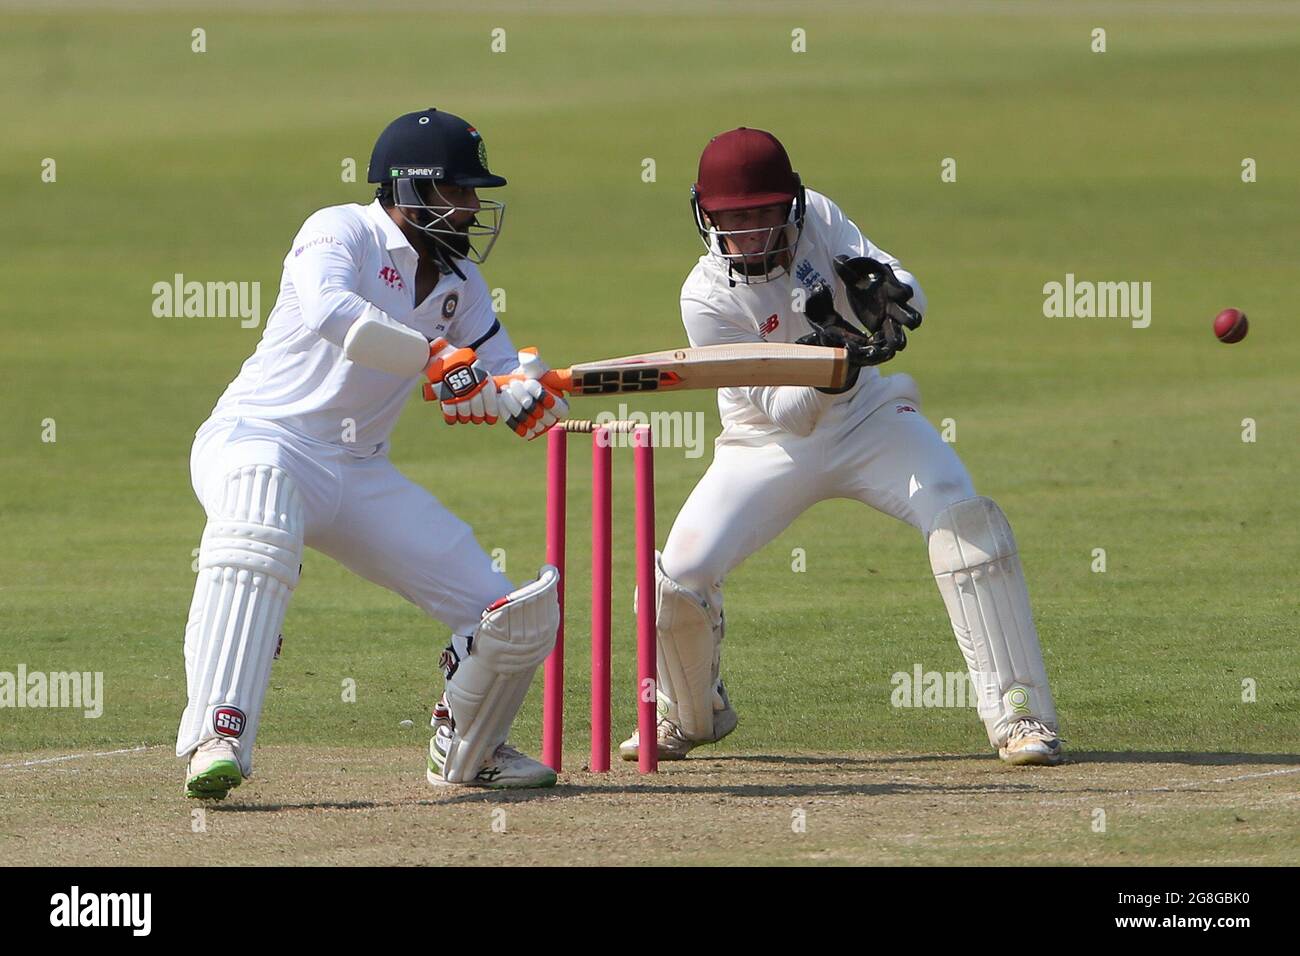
[
  {"x": 374, "y": 300},
  {"x": 783, "y": 263}
]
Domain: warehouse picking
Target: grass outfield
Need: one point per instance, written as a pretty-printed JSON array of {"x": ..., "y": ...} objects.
[{"x": 1120, "y": 166}]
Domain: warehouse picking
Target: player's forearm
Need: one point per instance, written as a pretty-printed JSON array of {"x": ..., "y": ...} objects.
[{"x": 793, "y": 408}]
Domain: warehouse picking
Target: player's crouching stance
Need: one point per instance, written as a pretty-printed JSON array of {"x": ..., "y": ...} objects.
[
  {"x": 772, "y": 245},
  {"x": 295, "y": 455}
]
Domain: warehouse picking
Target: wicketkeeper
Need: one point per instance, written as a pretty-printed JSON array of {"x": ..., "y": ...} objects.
[{"x": 784, "y": 264}]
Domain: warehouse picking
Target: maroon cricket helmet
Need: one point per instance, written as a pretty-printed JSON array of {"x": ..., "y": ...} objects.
[
  {"x": 748, "y": 169},
  {"x": 744, "y": 169}
]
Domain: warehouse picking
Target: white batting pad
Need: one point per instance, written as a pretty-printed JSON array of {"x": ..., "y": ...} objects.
[
  {"x": 976, "y": 565},
  {"x": 689, "y": 655},
  {"x": 248, "y": 567},
  {"x": 487, "y": 689}
]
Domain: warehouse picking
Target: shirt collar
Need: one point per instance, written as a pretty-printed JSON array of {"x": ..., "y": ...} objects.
[{"x": 393, "y": 237}]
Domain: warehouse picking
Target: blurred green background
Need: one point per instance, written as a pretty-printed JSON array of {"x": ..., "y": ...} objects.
[{"x": 1123, "y": 165}]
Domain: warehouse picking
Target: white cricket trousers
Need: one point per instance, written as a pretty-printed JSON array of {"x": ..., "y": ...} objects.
[{"x": 890, "y": 458}]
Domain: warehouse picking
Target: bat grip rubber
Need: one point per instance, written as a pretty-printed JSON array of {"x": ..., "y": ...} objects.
[{"x": 557, "y": 380}]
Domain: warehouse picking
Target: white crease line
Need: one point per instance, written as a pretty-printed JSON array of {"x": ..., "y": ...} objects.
[
  {"x": 1190, "y": 784},
  {"x": 1266, "y": 773},
  {"x": 1181, "y": 786},
  {"x": 105, "y": 753}
]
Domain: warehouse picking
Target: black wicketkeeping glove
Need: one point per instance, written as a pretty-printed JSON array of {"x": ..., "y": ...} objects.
[
  {"x": 876, "y": 294},
  {"x": 831, "y": 331}
]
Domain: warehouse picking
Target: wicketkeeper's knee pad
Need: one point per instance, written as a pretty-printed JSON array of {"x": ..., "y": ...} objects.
[{"x": 487, "y": 688}]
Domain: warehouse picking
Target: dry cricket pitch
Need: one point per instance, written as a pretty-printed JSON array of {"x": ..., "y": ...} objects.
[{"x": 338, "y": 807}]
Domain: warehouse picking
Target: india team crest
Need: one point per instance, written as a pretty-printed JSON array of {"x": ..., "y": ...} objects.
[{"x": 449, "y": 305}]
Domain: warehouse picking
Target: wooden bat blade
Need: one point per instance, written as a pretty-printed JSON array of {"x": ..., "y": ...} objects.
[{"x": 711, "y": 366}]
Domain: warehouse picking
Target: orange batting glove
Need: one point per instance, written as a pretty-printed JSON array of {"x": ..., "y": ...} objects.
[{"x": 460, "y": 383}]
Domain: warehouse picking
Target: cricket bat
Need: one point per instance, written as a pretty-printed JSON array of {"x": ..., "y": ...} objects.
[{"x": 708, "y": 366}]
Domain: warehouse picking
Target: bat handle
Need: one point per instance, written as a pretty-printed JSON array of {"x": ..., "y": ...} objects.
[{"x": 557, "y": 380}]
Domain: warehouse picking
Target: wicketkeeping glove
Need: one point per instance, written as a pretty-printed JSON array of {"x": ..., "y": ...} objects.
[
  {"x": 461, "y": 384},
  {"x": 529, "y": 407},
  {"x": 876, "y": 294},
  {"x": 830, "y": 329}
]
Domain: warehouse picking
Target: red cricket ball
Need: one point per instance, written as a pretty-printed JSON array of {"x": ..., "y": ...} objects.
[{"x": 1230, "y": 326}]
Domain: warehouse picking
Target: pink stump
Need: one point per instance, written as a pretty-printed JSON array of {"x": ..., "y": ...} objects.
[
  {"x": 601, "y": 561},
  {"x": 553, "y": 671},
  {"x": 646, "y": 669}
]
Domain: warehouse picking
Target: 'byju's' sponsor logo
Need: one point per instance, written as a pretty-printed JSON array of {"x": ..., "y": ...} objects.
[
  {"x": 318, "y": 241},
  {"x": 103, "y": 909}
]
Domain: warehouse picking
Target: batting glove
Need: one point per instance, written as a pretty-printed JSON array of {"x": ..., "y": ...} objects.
[
  {"x": 528, "y": 406},
  {"x": 459, "y": 382}
]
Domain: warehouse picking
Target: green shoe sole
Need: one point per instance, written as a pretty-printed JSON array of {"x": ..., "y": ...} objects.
[{"x": 215, "y": 782}]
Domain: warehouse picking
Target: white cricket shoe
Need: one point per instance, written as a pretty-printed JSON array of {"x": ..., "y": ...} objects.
[
  {"x": 506, "y": 769},
  {"x": 213, "y": 770},
  {"x": 673, "y": 744},
  {"x": 1031, "y": 742}
]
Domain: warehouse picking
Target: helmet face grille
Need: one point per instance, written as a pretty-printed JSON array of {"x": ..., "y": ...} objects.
[
  {"x": 776, "y": 259},
  {"x": 424, "y": 207}
]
